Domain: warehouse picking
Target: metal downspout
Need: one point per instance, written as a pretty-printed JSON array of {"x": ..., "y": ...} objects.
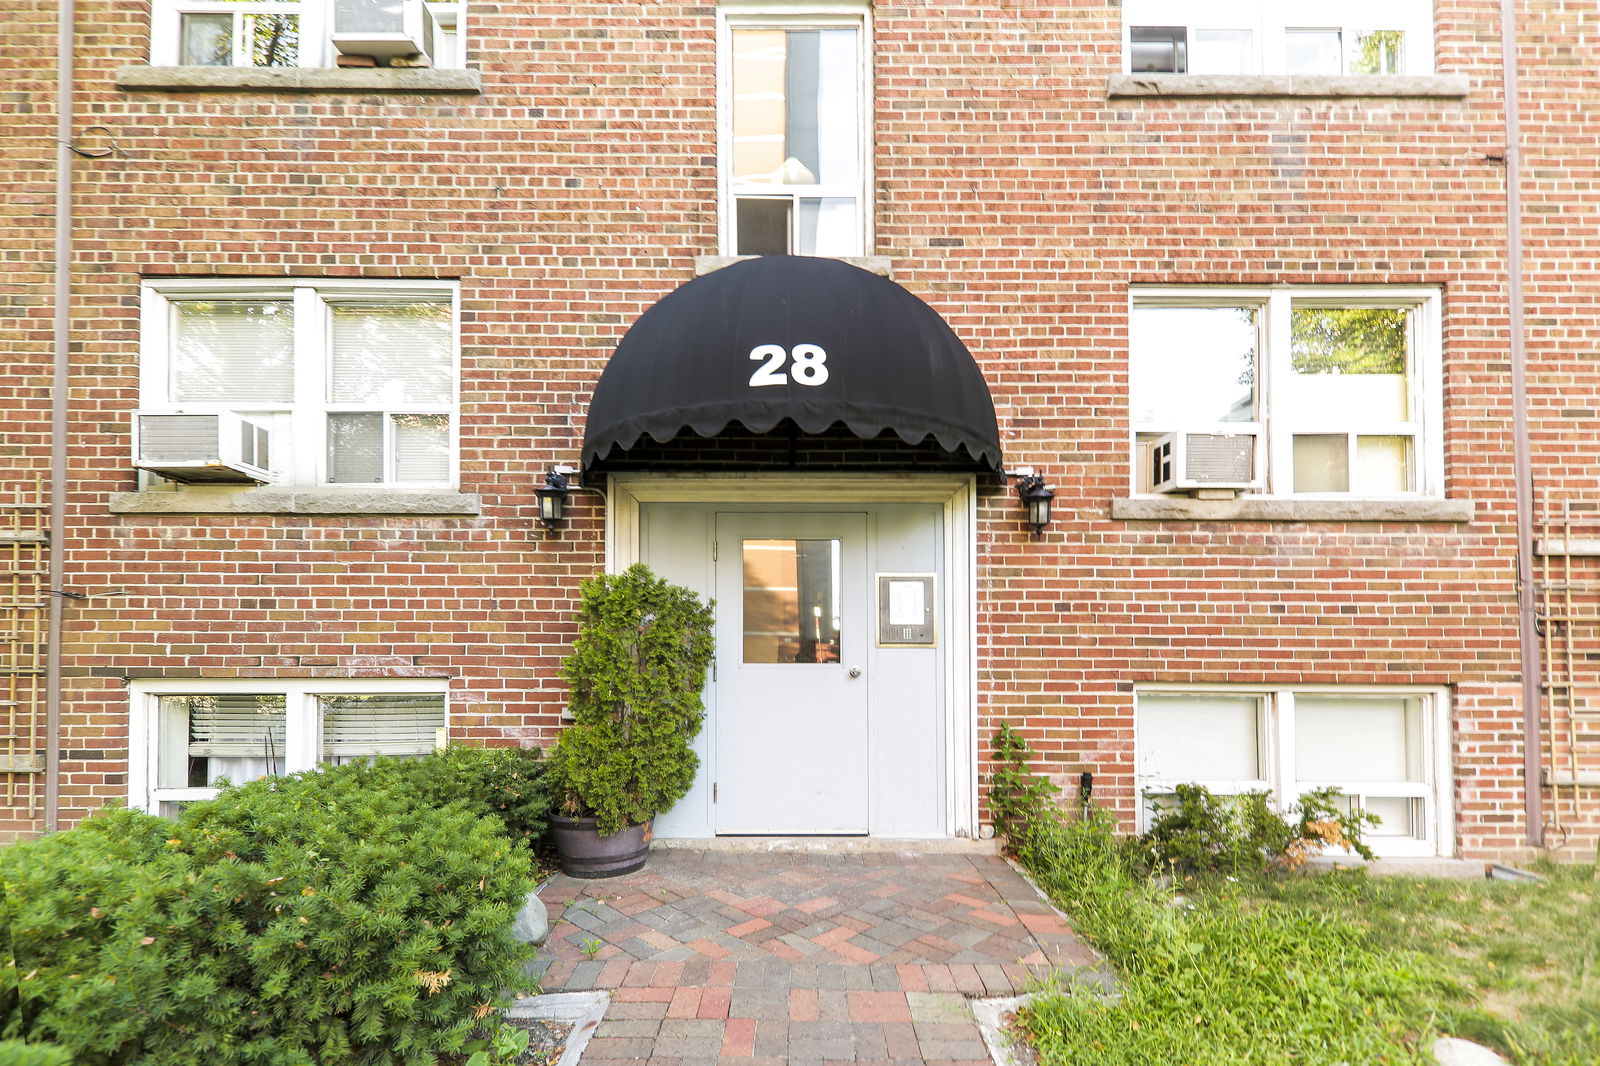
[
  {"x": 62, "y": 293},
  {"x": 1527, "y": 617}
]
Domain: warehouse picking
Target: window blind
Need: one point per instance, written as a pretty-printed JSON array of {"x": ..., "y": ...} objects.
[
  {"x": 421, "y": 448},
  {"x": 359, "y": 726},
  {"x": 234, "y": 727},
  {"x": 233, "y": 351},
  {"x": 391, "y": 353}
]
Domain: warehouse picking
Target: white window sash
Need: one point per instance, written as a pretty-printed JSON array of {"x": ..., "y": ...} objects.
[
  {"x": 1268, "y": 21},
  {"x": 1424, "y": 386},
  {"x": 302, "y": 724},
  {"x": 799, "y": 15},
  {"x": 299, "y": 446},
  {"x": 1278, "y": 735}
]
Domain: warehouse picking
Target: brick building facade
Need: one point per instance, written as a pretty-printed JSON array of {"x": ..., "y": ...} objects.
[{"x": 1075, "y": 189}]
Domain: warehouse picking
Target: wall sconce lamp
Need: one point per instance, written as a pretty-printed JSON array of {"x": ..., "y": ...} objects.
[
  {"x": 553, "y": 498},
  {"x": 1036, "y": 497}
]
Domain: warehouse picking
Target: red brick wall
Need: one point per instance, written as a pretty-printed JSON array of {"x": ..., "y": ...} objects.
[{"x": 1011, "y": 194}]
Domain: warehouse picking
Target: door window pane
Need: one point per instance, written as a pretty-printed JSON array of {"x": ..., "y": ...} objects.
[
  {"x": 1199, "y": 738},
  {"x": 1193, "y": 365},
  {"x": 791, "y": 601}
]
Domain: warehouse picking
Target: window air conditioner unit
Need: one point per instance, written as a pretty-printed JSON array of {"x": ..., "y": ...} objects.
[
  {"x": 202, "y": 448},
  {"x": 383, "y": 29},
  {"x": 1189, "y": 462}
]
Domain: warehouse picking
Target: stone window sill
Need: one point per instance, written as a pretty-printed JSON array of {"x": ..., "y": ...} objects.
[
  {"x": 1260, "y": 509},
  {"x": 298, "y": 80},
  {"x": 881, "y": 265},
  {"x": 297, "y": 501},
  {"x": 1442, "y": 86}
]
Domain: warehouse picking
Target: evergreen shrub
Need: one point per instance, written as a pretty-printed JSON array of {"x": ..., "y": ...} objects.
[
  {"x": 332, "y": 917},
  {"x": 636, "y": 672},
  {"x": 16, "y": 1053}
]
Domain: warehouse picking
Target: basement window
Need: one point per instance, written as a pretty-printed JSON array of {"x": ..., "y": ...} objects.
[
  {"x": 1386, "y": 750},
  {"x": 190, "y": 737}
]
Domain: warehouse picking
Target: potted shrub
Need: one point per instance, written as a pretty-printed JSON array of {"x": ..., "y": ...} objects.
[{"x": 635, "y": 675}]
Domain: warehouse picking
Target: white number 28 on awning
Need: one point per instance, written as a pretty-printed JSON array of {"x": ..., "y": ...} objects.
[{"x": 809, "y": 365}]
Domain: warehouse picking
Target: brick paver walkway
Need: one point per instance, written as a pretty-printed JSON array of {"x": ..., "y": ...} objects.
[{"x": 736, "y": 958}]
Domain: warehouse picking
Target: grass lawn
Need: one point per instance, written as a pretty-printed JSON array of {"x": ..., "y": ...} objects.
[{"x": 1318, "y": 968}]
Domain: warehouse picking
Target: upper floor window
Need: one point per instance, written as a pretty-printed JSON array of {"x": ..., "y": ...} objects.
[
  {"x": 1303, "y": 37},
  {"x": 305, "y": 33},
  {"x": 793, "y": 130},
  {"x": 354, "y": 383},
  {"x": 1317, "y": 391}
]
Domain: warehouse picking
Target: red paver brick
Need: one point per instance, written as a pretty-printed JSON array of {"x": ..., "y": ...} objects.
[
  {"x": 783, "y": 951},
  {"x": 710, "y": 949},
  {"x": 913, "y": 978},
  {"x": 739, "y": 1038},
  {"x": 721, "y": 974},
  {"x": 878, "y": 1006},
  {"x": 667, "y": 974},
  {"x": 859, "y": 955},
  {"x": 996, "y": 919},
  {"x": 714, "y": 1003},
  {"x": 746, "y": 928},
  {"x": 812, "y": 906},
  {"x": 685, "y": 1003},
  {"x": 643, "y": 995},
  {"x": 803, "y": 1005}
]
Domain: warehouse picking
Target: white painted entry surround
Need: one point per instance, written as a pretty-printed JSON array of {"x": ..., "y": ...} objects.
[{"x": 791, "y": 750}]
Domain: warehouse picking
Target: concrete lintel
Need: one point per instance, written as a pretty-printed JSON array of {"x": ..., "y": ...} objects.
[
  {"x": 298, "y": 80},
  {"x": 881, "y": 265},
  {"x": 1441, "y": 86},
  {"x": 1259, "y": 509},
  {"x": 298, "y": 501}
]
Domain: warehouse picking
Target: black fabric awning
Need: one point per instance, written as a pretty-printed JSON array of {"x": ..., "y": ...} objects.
[{"x": 814, "y": 341}]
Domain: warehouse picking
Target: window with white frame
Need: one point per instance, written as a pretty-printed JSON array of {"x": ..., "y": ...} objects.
[
  {"x": 1302, "y": 37},
  {"x": 1385, "y": 750},
  {"x": 794, "y": 142},
  {"x": 355, "y": 381},
  {"x": 187, "y": 737},
  {"x": 1303, "y": 391},
  {"x": 304, "y": 33}
]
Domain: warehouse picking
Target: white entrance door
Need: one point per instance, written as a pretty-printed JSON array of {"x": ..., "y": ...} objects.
[{"x": 792, "y": 641}]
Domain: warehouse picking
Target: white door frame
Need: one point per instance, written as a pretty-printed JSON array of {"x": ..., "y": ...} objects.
[{"x": 957, "y": 493}]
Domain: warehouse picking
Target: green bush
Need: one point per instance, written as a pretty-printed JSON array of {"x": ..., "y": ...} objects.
[
  {"x": 338, "y": 916},
  {"x": 16, "y": 1053},
  {"x": 1243, "y": 834},
  {"x": 510, "y": 783},
  {"x": 1216, "y": 976},
  {"x": 636, "y": 672}
]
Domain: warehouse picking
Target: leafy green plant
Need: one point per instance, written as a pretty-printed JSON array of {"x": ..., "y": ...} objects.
[
  {"x": 1244, "y": 834},
  {"x": 16, "y": 1053},
  {"x": 1017, "y": 799},
  {"x": 1224, "y": 978},
  {"x": 331, "y": 916},
  {"x": 636, "y": 672},
  {"x": 501, "y": 1048},
  {"x": 510, "y": 783}
]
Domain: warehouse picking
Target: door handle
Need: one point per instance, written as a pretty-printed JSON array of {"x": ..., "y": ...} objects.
[{"x": 855, "y": 671}]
